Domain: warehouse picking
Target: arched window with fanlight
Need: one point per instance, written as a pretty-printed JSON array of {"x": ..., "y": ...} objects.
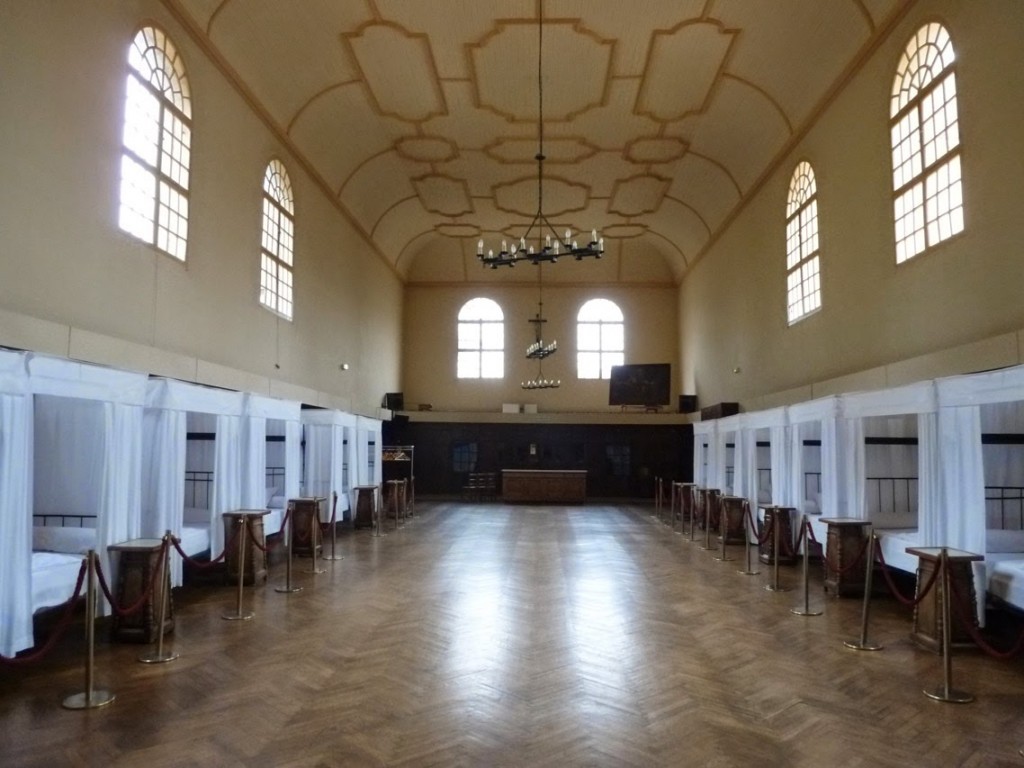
[
  {"x": 803, "y": 270},
  {"x": 156, "y": 144},
  {"x": 600, "y": 339},
  {"x": 481, "y": 339},
  {"x": 925, "y": 128},
  {"x": 278, "y": 242}
]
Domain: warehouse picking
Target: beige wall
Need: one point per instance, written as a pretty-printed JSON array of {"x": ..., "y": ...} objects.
[
  {"x": 72, "y": 283},
  {"x": 951, "y": 310},
  {"x": 429, "y": 350}
]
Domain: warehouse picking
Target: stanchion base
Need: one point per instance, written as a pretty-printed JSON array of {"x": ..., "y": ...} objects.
[
  {"x": 83, "y": 701},
  {"x": 748, "y": 573},
  {"x": 802, "y": 612},
  {"x": 158, "y": 658},
  {"x": 857, "y": 645},
  {"x": 333, "y": 558},
  {"x": 237, "y": 616},
  {"x": 777, "y": 588},
  {"x": 708, "y": 549},
  {"x": 952, "y": 696},
  {"x": 726, "y": 559},
  {"x": 287, "y": 590},
  {"x": 316, "y": 571}
]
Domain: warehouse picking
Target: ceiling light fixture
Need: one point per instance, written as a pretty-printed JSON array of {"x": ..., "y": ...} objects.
[
  {"x": 549, "y": 245},
  {"x": 539, "y": 350}
]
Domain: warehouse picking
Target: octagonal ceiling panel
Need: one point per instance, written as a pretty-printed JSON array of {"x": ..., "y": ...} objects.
[{"x": 421, "y": 117}]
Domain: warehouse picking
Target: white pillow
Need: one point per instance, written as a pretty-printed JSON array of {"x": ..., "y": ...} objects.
[
  {"x": 71, "y": 541},
  {"x": 272, "y": 491}
]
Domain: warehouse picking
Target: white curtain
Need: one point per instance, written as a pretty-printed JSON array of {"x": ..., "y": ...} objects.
[
  {"x": 163, "y": 477},
  {"x": 746, "y": 465},
  {"x": 292, "y": 459},
  {"x": 852, "y": 467},
  {"x": 253, "y": 467},
  {"x": 931, "y": 520},
  {"x": 227, "y": 477},
  {"x": 700, "y": 458},
  {"x": 350, "y": 448},
  {"x": 15, "y": 517},
  {"x": 780, "y": 456},
  {"x": 319, "y": 451}
]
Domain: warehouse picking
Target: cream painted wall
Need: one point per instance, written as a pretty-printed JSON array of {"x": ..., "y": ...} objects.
[
  {"x": 72, "y": 283},
  {"x": 429, "y": 349},
  {"x": 947, "y": 311}
]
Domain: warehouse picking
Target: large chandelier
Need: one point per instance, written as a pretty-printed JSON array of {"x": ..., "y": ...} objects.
[
  {"x": 549, "y": 246},
  {"x": 539, "y": 349}
]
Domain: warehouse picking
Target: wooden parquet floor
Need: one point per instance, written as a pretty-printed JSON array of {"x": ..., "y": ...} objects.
[{"x": 489, "y": 635}]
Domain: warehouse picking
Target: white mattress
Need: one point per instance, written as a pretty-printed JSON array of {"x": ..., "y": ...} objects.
[
  {"x": 1006, "y": 577},
  {"x": 195, "y": 538},
  {"x": 894, "y": 542},
  {"x": 53, "y": 578}
]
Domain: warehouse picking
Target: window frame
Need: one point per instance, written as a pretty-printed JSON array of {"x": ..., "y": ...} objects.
[
  {"x": 478, "y": 351},
  {"x": 606, "y": 357},
  {"x": 918, "y": 224},
  {"x": 277, "y": 243},
  {"x": 803, "y": 240},
  {"x": 154, "y": 193}
]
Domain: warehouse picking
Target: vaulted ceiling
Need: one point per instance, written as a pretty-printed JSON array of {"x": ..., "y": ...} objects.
[{"x": 420, "y": 116}]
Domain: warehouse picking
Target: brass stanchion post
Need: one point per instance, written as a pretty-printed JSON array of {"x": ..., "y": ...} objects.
[
  {"x": 288, "y": 588},
  {"x": 657, "y": 498},
  {"x": 314, "y": 537},
  {"x": 707, "y": 522},
  {"x": 238, "y": 615},
  {"x": 862, "y": 644},
  {"x": 746, "y": 540},
  {"x": 776, "y": 541},
  {"x": 693, "y": 508},
  {"x": 723, "y": 529},
  {"x": 378, "y": 511},
  {"x": 89, "y": 699},
  {"x": 946, "y": 692},
  {"x": 806, "y": 610},
  {"x": 159, "y": 657},
  {"x": 334, "y": 531}
]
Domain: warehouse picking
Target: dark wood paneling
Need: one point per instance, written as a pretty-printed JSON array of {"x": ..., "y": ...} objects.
[{"x": 654, "y": 451}]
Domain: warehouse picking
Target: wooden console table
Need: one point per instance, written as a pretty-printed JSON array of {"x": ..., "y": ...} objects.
[
  {"x": 927, "y": 630},
  {"x": 366, "y": 502},
  {"x": 544, "y": 486},
  {"x": 138, "y": 560},
  {"x": 305, "y": 522},
  {"x": 731, "y": 522},
  {"x": 844, "y": 543},
  {"x": 255, "y": 558},
  {"x": 784, "y": 516}
]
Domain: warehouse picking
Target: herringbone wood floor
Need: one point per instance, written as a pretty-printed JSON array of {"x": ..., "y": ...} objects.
[{"x": 489, "y": 635}]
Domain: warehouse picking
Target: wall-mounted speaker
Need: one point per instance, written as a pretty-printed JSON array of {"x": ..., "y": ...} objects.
[
  {"x": 394, "y": 401},
  {"x": 687, "y": 403}
]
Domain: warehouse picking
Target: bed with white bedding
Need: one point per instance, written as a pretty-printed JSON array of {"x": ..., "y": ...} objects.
[{"x": 57, "y": 556}]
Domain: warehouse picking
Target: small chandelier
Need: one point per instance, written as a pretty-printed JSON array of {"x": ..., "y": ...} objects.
[
  {"x": 549, "y": 245},
  {"x": 539, "y": 349}
]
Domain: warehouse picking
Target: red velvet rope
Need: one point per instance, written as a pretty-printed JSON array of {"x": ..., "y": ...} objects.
[
  {"x": 966, "y": 615},
  {"x": 324, "y": 527},
  {"x": 831, "y": 567},
  {"x": 909, "y": 602},
  {"x": 198, "y": 563},
  {"x": 255, "y": 543},
  {"x": 137, "y": 605},
  {"x": 59, "y": 630},
  {"x": 761, "y": 540}
]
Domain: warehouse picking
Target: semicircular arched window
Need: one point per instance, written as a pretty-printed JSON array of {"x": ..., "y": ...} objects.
[
  {"x": 600, "y": 339},
  {"x": 157, "y": 140},
  {"x": 803, "y": 271},
  {"x": 481, "y": 334},
  {"x": 924, "y": 125}
]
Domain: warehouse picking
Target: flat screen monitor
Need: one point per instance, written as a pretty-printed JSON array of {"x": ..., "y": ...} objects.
[{"x": 640, "y": 384}]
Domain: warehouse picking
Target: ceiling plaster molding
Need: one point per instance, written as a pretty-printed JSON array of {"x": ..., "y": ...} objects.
[
  {"x": 550, "y": 182},
  {"x": 670, "y": 79},
  {"x": 388, "y": 210},
  {"x": 445, "y": 187},
  {"x": 866, "y": 14},
  {"x": 529, "y": 156},
  {"x": 416, "y": 44},
  {"x": 315, "y": 97},
  {"x": 692, "y": 210},
  {"x": 629, "y": 149},
  {"x": 500, "y": 27},
  {"x": 363, "y": 164},
  {"x": 204, "y": 43},
  {"x": 646, "y": 185},
  {"x": 723, "y": 169},
  {"x": 405, "y": 154},
  {"x": 767, "y": 96},
  {"x": 214, "y": 15},
  {"x": 882, "y": 33}
]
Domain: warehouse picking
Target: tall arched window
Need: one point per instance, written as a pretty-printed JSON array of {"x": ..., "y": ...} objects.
[
  {"x": 481, "y": 340},
  {"x": 278, "y": 242},
  {"x": 156, "y": 144},
  {"x": 928, "y": 198},
  {"x": 803, "y": 278},
  {"x": 600, "y": 339}
]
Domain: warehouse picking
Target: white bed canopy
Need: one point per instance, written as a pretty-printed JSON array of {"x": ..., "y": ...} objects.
[{"x": 331, "y": 454}]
